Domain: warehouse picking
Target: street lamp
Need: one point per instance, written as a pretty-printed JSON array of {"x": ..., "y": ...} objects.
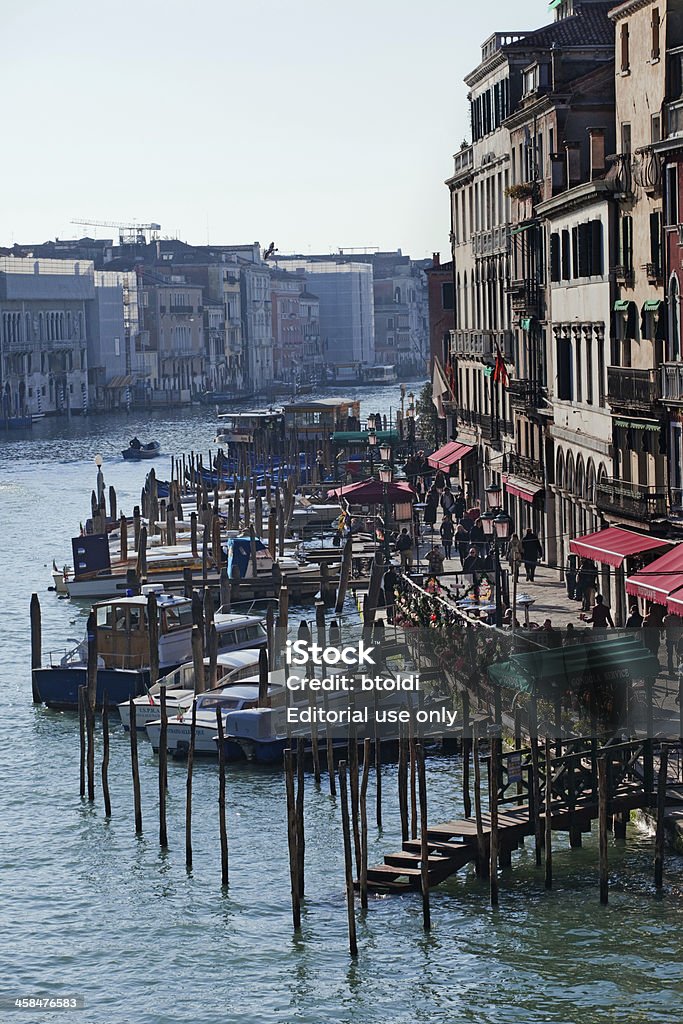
[
  {"x": 385, "y": 475},
  {"x": 372, "y": 442},
  {"x": 492, "y": 493},
  {"x": 496, "y": 528}
]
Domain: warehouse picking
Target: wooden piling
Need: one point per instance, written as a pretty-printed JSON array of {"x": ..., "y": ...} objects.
[
  {"x": 283, "y": 609},
  {"x": 424, "y": 837},
  {"x": 81, "y": 730},
  {"x": 495, "y": 746},
  {"x": 141, "y": 565},
  {"x": 163, "y": 767},
  {"x": 263, "y": 698},
  {"x": 105, "y": 758},
  {"x": 354, "y": 792},
  {"x": 348, "y": 862},
  {"x": 466, "y": 754},
  {"x": 272, "y": 528},
  {"x": 153, "y": 627},
  {"x": 198, "y": 659},
  {"x": 661, "y": 810},
  {"x": 602, "y": 823},
  {"x": 291, "y": 839},
  {"x": 137, "y": 527},
  {"x": 225, "y": 590},
  {"x": 300, "y": 831},
  {"x": 188, "y": 789},
  {"x": 402, "y": 778},
  {"x": 36, "y": 645},
  {"x": 482, "y": 870},
  {"x": 91, "y": 697},
  {"x": 413, "y": 779},
  {"x": 329, "y": 743},
  {"x": 363, "y": 875},
  {"x": 535, "y": 802},
  {"x": 137, "y": 803},
  {"x": 548, "y": 815},
  {"x": 221, "y": 799},
  {"x": 344, "y": 575},
  {"x": 187, "y": 582},
  {"x": 193, "y": 535}
]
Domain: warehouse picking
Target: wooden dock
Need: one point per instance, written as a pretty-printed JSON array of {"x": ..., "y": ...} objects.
[{"x": 574, "y": 805}]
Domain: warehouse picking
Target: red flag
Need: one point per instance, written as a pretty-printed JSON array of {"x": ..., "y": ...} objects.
[{"x": 499, "y": 370}]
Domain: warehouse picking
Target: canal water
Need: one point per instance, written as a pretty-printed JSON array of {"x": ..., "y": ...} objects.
[{"x": 90, "y": 910}]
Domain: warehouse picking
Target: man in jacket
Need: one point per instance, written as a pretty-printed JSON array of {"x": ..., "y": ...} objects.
[{"x": 533, "y": 552}]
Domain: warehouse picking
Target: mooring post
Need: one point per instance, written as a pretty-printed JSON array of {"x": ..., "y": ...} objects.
[
  {"x": 424, "y": 837},
  {"x": 482, "y": 867},
  {"x": 163, "y": 765},
  {"x": 363, "y": 875},
  {"x": 300, "y": 831},
  {"x": 188, "y": 789},
  {"x": 91, "y": 695},
  {"x": 495, "y": 745},
  {"x": 603, "y": 803},
  {"x": 354, "y": 793},
  {"x": 221, "y": 799},
  {"x": 348, "y": 861},
  {"x": 402, "y": 779},
  {"x": 661, "y": 810},
  {"x": 548, "y": 815},
  {"x": 466, "y": 754},
  {"x": 81, "y": 730},
  {"x": 137, "y": 803},
  {"x": 535, "y": 803},
  {"x": 413, "y": 779},
  {"x": 36, "y": 645},
  {"x": 105, "y": 757},
  {"x": 291, "y": 839}
]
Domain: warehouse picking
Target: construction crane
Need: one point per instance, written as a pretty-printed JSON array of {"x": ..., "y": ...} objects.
[{"x": 129, "y": 234}]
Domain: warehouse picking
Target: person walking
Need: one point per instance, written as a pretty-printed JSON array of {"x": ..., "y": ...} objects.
[
  {"x": 431, "y": 506},
  {"x": 600, "y": 616},
  {"x": 587, "y": 583},
  {"x": 447, "y": 502},
  {"x": 447, "y": 531},
  {"x": 672, "y": 633},
  {"x": 571, "y": 576},
  {"x": 435, "y": 560},
  {"x": 532, "y": 553},
  {"x": 635, "y": 619},
  {"x": 477, "y": 536},
  {"x": 404, "y": 546},
  {"x": 462, "y": 541},
  {"x": 388, "y": 584},
  {"x": 515, "y": 555},
  {"x": 459, "y": 504}
]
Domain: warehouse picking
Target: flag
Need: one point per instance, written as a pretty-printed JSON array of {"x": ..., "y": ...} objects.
[
  {"x": 450, "y": 376},
  {"x": 439, "y": 389},
  {"x": 499, "y": 371}
]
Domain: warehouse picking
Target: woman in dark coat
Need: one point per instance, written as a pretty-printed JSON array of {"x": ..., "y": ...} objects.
[{"x": 533, "y": 552}]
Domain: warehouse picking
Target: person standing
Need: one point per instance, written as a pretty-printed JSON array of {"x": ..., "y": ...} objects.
[
  {"x": 515, "y": 555},
  {"x": 388, "y": 584},
  {"x": 462, "y": 541},
  {"x": 431, "y": 506},
  {"x": 404, "y": 546},
  {"x": 533, "y": 552},
  {"x": 435, "y": 560},
  {"x": 587, "y": 583},
  {"x": 447, "y": 531},
  {"x": 571, "y": 575},
  {"x": 600, "y": 616},
  {"x": 672, "y": 632}
]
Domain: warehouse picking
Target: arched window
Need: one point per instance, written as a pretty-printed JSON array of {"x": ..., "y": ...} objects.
[
  {"x": 559, "y": 473},
  {"x": 675, "y": 343}
]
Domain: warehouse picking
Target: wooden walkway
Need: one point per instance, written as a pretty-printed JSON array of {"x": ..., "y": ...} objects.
[{"x": 453, "y": 844}]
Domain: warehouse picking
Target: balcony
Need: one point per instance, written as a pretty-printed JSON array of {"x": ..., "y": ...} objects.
[
  {"x": 620, "y": 175},
  {"x": 524, "y": 297},
  {"x": 674, "y": 118},
  {"x": 632, "y": 501},
  {"x": 526, "y": 394},
  {"x": 490, "y": 243},
  {"x": 481, "y": 344},
  {"x": 528, "y": 469},
  {"x": 654, "y": 272},
  {"x": 671, "y": 383},
  {"x": 182, "y": 310},
  {"x": 647, "y": 170},
  {"x": 463, "y": 162},
  {"x": 624, "y": 275},
  {"x": 631, "y": 389}
]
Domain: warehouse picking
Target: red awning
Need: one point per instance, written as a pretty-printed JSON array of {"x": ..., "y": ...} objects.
[
  {"x": 521, "y": 488},
  {"x": 445, "y": 457},
  {"x": 657, "y": 581},
  {"x": 674, "y": 603},
  {"x": 614, "y": 545},
  {"x": 371, "y": 492}
]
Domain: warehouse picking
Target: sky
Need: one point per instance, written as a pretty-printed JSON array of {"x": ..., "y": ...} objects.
[{"x": 317, "y": 124}]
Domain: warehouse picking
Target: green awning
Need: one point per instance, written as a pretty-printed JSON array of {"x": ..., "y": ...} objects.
[
  {"x": 553, "y": 4},
  {"x": 653, "y": 305},
  {"x": 526, "y": 323},
  {"x": 488, "y": 371},
  {"x": 621, "y": 305},
  {"x": 637, "y": 425},
  {"x": 518, "y": 228}
]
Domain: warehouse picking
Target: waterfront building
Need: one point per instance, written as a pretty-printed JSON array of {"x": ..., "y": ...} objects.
[
  {"x": 297, "y": 353},
  {"x": 44, "y": 312}
]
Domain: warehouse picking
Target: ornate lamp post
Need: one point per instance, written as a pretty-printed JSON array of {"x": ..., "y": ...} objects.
[
  {"x": 492, "y": 492},
  {"x": 386, "y": 475},
  {"x": 372, "y": 443},
  {"x": 497, "y": 529}
]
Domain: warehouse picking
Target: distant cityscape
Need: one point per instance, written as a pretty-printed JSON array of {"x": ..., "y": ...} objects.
[{"x": 99, "y": 324}]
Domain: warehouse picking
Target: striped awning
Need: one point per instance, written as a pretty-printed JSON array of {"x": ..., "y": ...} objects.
[
  {"x": 125, "y": 381},
  {"x": 447, "y": 456}
]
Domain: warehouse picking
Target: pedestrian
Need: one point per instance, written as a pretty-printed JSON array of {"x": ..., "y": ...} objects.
[
  {"x": 553, "y": 637},
  {"x": 515, "y": 555},
  {"x": 571, "y": 575},
  {"x": 440, "y": 480},
  {"x": 447, "y": 501},
  {"x": 477, "y": 536},
  {"x": 472, "y": 562},
  {"x": 388, "y": 584},
  {"x": 459, "y": 504},
  {"x": 320, "y": 468},
  {"x": 462, "y": 541},
  {"x": 447, "y": 531},
  {"x": 435, "y": 560},
  {"x": 600, "y": 615},
  {"x": 404, "y": 546},
  {"x": 635, "y": 619},
  {"x": 431, "y": 505},
  {"x": 672, "y": 632},
  {"x": 652, "y": 624},
  {"x": 570, "y": 636},
  {"x": 533, "y": 552},
  {"x": 587, "y": 583}
]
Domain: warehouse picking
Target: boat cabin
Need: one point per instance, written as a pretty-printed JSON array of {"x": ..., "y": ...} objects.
[
  {"x": 317, "y": 419},
  {"x": 263, "y": 427},
  {"x": 240, "y": 632},
  {"x": 122, "y": 630}
]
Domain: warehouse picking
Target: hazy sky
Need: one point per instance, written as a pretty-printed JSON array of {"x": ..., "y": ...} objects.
[{"x": 317, "y": 124}]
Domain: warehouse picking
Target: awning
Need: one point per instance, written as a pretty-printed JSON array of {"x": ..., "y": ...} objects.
[
  {"x": 621, "y": 305},
  {"x": 657, "y": 581},
  {"x": 674, "y": 603},
  {"x": 620, "y": 658},
  {"x": 638, "y": 425},
  {"x": 652, "y": 305},
  {"x": 526, "y": 322},
  {"x": 126, "y": 381},
  {"x": 521, "y": 488},
  {"x": 553, "y": 4},
  {"x": 614, "y": 545},
  {"x": 371, "y": 492},
  {"x": 447, "y": 456}
]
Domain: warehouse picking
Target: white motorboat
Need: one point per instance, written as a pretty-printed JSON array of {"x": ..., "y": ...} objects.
[
  {"x": 232, "y": 667},
  {"x": 235, "y": 697}
]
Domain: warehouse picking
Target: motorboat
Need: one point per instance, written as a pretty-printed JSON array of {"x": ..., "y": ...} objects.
[
  {"x": 231, "y": 667},
  {"x": 122, "y": 633},
  {"x": 234, "y": 697},
  {"x": 136, "y": 450}
]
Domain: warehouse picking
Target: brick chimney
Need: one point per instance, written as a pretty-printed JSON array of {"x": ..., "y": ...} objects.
[{"x": 436, "y": 259}]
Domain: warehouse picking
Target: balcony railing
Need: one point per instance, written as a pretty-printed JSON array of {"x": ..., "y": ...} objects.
[
  {"x": 647, "y": 170},
  {"x": 631, "y": 389},
  {"x": 463, "y": 161},
  {"x": 624, "y": 275},
  {"x": 526, "y": 394},
  {"x": 182, "y": 310},
  {"x": 674, "y": 118},
  {"x": 524, "y": 296},
  {"x": 620, "y": 175},
  {"x": 671, "y": 383},
  {"x": 488, "y": 243},
  {"x": 633, "y": 501},
  {"x": 527, "y": 468},
  {"x": 479, "y": 344}
]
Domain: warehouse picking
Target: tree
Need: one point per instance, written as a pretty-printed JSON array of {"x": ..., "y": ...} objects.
[{"x": 428, "y": 424}]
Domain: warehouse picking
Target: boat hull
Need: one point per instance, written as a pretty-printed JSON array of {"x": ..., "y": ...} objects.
[
  {"x": 58, "y": 686},
  {"x": 178, "y": 740}
]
